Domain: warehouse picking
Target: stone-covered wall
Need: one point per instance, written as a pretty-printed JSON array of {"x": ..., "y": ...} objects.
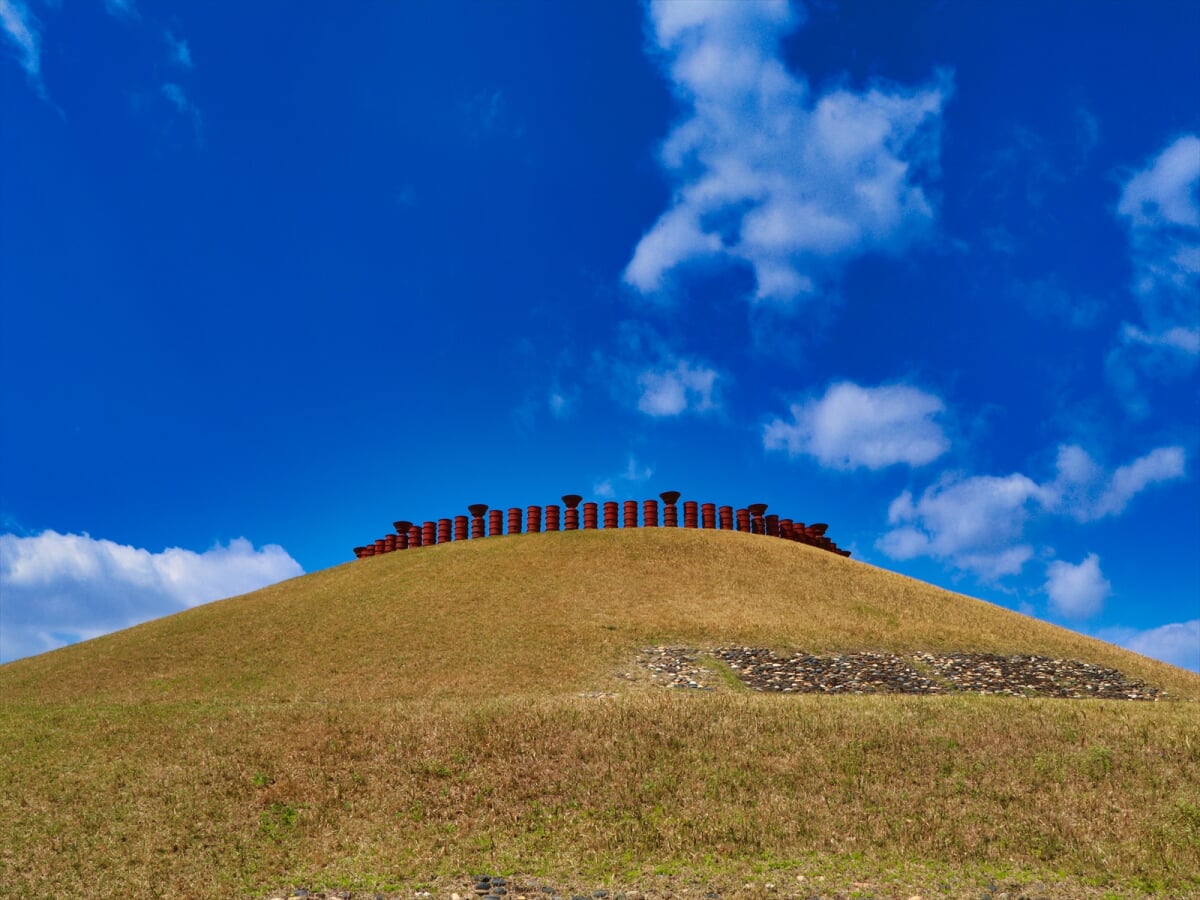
[{"x": 483, "y": 522}]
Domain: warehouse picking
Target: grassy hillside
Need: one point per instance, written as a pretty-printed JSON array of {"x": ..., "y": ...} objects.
[{"x": 407, "y": 718}]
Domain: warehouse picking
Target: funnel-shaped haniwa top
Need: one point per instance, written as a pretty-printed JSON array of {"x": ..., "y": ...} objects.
[
  {"x": 670, "y": 497},
  {"x": 757, "y": 509},
  {"x": 572, "y": 500},
  {"x": 402, "y": 527},
  {"x": 477, "y": 509},
  {"x": 818, "y": 529}
]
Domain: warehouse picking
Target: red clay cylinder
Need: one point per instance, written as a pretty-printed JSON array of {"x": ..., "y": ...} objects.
[
  {"x": 414, "y": 536},
  {"x": 743, "y": 520},
  {"x": 360, "y": 552},
  {"x": 379, "y": 546},
  {"x": 670, "y": 510},
  {"x": 369, "y": 551},
  {"x": 691, "y": 514},
  {"x": 757, "y": 525},
  {"x": 610, "y": 513},
  {"x": 590, "y": 516},
  {"x": 630, "y": 519},
  {"x": 725, "y": 514},
  {"x": 477, "y": 524},
  {"x": 553, "y": 517},
  {"x": 496, "y": 522},
  {"x": 460, "y": 529},
  {"x": 772, "y": 522},
  {"x": 402, "y": 529},
  {"x": 389, "y": 543},
  {"x": 514, "y": 520},
  {"x": 785, "y": 529},
  {"x": 533, "y": 519},
  {"x": 429, "y": 533},
  {"x": 708, "y": 515},
  {"x": 649, "y": 513},
  {"x": 444, "y": 527},
  {"x": 571, "y": 516}
]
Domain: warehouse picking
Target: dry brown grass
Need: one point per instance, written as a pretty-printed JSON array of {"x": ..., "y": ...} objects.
[
  {"x": 536, "y": 615},
  {"x": 420, "y": 715}
]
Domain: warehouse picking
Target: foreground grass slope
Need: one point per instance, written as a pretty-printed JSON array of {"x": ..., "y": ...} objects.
[{"x": 419, "y": 715}]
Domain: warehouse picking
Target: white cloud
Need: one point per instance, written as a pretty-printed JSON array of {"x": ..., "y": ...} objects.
[
  {"x": 854, "y": 427},
  {"x": 1083, "y": 489},
  {"x": 767, "y": 174},
  {"x": 1077, "y": 591},
  {"x": 1177, "y": 643},
  {"x": 975, "y": 524},
  {"x": 21, "y": 28},
  {"x": 61, "y": 588},
  {"x": 674, "y": 389}
]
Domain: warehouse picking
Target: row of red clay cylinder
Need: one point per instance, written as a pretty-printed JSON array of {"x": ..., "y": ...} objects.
[{"x": 751, "y": 519}]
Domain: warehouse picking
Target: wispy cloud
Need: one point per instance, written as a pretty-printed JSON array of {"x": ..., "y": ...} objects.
[
  {"x": 767, "y": 174},
  {"x": 648, "y": 374},
  {"x": 562, "y": 400},
  {"x": 1160, "y": 207},
  {"x": 1177, "y": 643},
  {"x": 1077, "y": 591},
  {"x": 22, "y": 30},
  {"x": 122, "y": 9},
  {"x": 488, "y": 114},
  {"x": 1048, "y": 298},
  {"x": 634, "y": 474},
  {"x": 178, "y": 50},
  {"x": 62, "y": 588},
  {"x": 1086, "y": 491},
  {"x": 853, "y": 427},
  {"x": 676, "y": 388},
  {"x": 176, "y": 96},
  {"x": 977, "y": 523}
]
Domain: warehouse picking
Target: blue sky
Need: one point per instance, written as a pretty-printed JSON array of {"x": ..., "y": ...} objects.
[{"x": 273, "y": 276}]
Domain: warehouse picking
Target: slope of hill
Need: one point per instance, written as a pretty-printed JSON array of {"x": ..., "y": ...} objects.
[{"x": 479, "y": 706}]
